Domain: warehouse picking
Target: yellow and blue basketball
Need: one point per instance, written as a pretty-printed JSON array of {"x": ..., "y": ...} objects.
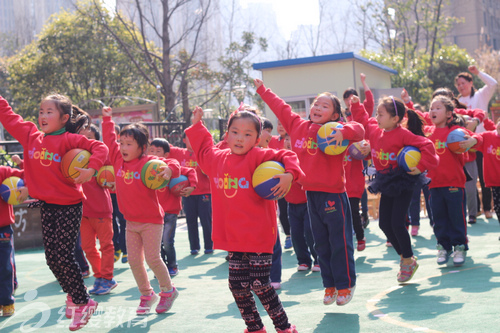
[
  {"x": 9, "y": 190},
  {"x": 330, "y": 148},
  {"x": 355, "y": 150},
  {"x": 150, "y": 174},
  {"x": 408, "y": 157},
  {"x": 105, "y": 175},
  {"x": 263, "y": 181},
  {"x": 176, "y": 185},
  {"x": 453, "y": 141},
  {"x": 74, "y": 158}
]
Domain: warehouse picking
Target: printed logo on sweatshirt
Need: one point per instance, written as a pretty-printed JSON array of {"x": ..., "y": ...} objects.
[
  {"x": 347, "y": 159},
  {"x": 440, "y": 147},
  {"x": 230, "y": 185},
  {"x": 128, "y": 176},
  {"x": 310, "y": 145},
  {"x": 188, "y": 163},
  {"x": 46, "y": 158},
  {"x": 330, "y": 206},
  {"x": 383, "y": 157},
  {"x": 495, "y": 151}
]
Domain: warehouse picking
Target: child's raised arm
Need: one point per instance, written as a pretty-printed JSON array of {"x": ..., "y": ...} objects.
[{"x": 197, "y": 115}]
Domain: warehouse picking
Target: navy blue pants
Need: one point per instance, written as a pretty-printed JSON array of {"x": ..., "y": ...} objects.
[
  {"x": 414, "y": 211},
  {"x": 331, "y": 224},
  {"x": 80, "y": 256},
  {"x": 199, "y": 206},
  {"x": 276, "y": 265},
  {"x": 119, "y": 227},
  {"x": 7, "y": 265},
  {"x": 356, "y": 219},
  {"x": 302, "y": 237},
  {"x": 450, "y": 216},
  {"x": 167, "y": 242},
  {"x": 285, "y": 223}
]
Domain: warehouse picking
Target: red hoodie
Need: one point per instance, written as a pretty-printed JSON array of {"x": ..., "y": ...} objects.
[
  {"x": 98, "y": 203},
  {"x": 6, "y": 210},
  {"x": 296, "y": 195},
  {"x": 277, "y": 142},
  {"x": 325, "y": 173},
  {"x": 42, "y": 158},
  {"x": 242, "y": 220},
  {"x": 137, "y": 203},
  {"x": 355, "y": 179},
  {"x": 490, "y": 148},
  {"x": 187, "y": 159},
  {"x": 170, "y": 203}
]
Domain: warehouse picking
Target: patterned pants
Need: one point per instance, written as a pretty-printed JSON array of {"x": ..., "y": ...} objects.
[
  {"x": 250, "y": 271},
  {"x": 496, "y": 200},
  {"x": 60, "y": 227}
]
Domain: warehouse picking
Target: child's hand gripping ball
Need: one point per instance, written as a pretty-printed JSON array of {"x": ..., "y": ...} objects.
[
  {"x": 263, "y": 181},
  {"x": 453, "y": 141},
  {"x": 73, "y": 159},
  {"x": 356, "y": 152},
  {"x": 408, "y": 157},
  {"x": 176, "y": 185},
  {"x": 328, "y": 145},
  {"x": 150, "y": 174},
  {"x": 105, "y": 176}
]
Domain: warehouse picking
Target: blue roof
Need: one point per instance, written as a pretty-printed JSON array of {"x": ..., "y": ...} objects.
[{"x": 323, "y": 58}]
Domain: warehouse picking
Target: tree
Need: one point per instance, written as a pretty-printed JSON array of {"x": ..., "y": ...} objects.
[{"x": 73, "y": 56}]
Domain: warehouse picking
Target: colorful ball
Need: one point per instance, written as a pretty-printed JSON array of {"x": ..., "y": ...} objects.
[
  {"x": 74, "y": 158},
  {"x": 263, "y": 181},
  {"x": 150, "y": 174},
  {"x": 408, "y": 157},
  {"x": 176, "y": 185},
  {"x": 355, "y": 150},
  {"x": 9, "y": 190},
  {"x": 453, "y": 140},
  {"x": 330, "y": 148},
  {"x": 105, "y": 175}
]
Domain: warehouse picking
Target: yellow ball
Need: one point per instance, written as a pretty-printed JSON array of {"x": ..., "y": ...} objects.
[
  {"x": 330, "y": 148},
  {"x": 263, "y": 181},
  {"x": 150, "y": 174},
  {"x": 9, "y": 190}
]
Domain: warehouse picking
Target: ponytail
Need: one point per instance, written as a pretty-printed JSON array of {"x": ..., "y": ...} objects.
[{"x": 415, "y": 123}]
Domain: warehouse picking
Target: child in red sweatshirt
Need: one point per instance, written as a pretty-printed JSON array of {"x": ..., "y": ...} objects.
[{"x": 244, "y": 223}]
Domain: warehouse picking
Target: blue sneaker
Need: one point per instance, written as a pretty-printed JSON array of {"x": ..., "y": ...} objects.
[
  {"x": 194, "y": 252},
  {"x": 209, "y": 251},
  {"x": 106, "y": 286},
  {"x": 288, "y": 242},
  {"x": 124, "y": 258},
  {"x": 97, "y": 285},
  {"x": 173, "y": 271}
]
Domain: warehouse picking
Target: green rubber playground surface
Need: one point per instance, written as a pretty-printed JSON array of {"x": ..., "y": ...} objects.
[{"x": 437, "y": 299}]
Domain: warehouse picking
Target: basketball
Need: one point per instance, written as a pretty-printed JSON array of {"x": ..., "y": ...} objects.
[
  {"x": 75, "y": 158},
  {"x": 150, "y": 174},
  {"x": 9, "y": 190},
  {"x": 322, "y": 137},
  {"x": 176, "y": 185},
  {"x": 263, "y": 181},
  {"x": 355, "y": 150},
  {"x": 453, "y": 140},
  {"x": 408, "y": 157},
  {"x": 105, "y": 175}
]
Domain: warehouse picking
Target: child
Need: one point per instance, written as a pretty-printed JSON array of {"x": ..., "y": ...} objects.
[
  {"x": 447, "y": 187},
  {"x": 248, "y": 229},
  {"x": 387, "y": 137},
  {"x": 60, "y": 198},
  {"x": 141, "y": 209},
  {"x": 96, "y": 223},
  {"x": 328, "y": 205},
  {"x": 172, "y": 205},
  {"x": 8, "y": 268},
  {"x": 198, "y": 203}
]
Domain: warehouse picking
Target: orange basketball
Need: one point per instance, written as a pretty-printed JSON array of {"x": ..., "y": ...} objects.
[
  {"x": 105, "y": 175},
  {"x": 75, "y": 158}
]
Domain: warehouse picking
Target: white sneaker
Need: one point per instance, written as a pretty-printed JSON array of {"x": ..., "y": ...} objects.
[
  {"x": 459, "y": 255},
  {"x": 302, "y": 267},
  {"x": 276, "y": 285},
  {"x": 443, "y": 255}
]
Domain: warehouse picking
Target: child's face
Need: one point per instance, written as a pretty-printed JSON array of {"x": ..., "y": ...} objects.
[
  {"x": 242, "y": 136},
  {"x": 287, "y": 143},
  {"x": 88, "y": 133},
  {"x": 347, "y": 102},
  {"x": 384, "y": 119},
  {"x": 49, "y": 117},
  {"x": 281, "y": 129},
  {"x": 321, "y": 110},
  {"x": 438, "y": 113},
  {"x": 129, "y": 148},
  {"x": 156, "y": 151},
  {"x": 265, "y": 137}
]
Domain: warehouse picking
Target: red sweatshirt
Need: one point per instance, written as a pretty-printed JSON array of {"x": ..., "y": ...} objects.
[
  {"x": 355, "y": 179},
  {"x": 242, "y": 220},
  {"x": 187, "y": 158},
  {"x": 42, "y": 158},
  {"x": 490, "y": 148},
  {"x": 385, "y": 145},
  {"x": 449, "y": 172},
  {"x": 324, "y": 172},
  {"x": 98, "y": 203},
  {"x": 170, "y": 203},
  {"x": 6, "y": 210},
  {"x": 296, "y": 195},
  {"x": 136, "y": 202},
  {"x": 277, "y": 142}
]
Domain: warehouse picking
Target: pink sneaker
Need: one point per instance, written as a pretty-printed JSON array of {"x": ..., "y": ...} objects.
[
  {"x": 406, "y": 272},
  {"x": 82, "y": 315},
  {"x": 330, "y": 295},
  {"x": 345, "y": 295},
  {"x": 291, "y": 329},
  {"x": 316, "y": 268},
  {"x": 146, "y": 303},
  {"x": 70, "y": 307},
  {"x": 166, "y": 300},
  {"x": 414, "y": 230},
  {"x": 262, "y": 330}
]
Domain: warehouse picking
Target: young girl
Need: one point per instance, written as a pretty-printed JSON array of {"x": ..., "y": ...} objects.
[
  {"x": 141, "y": 209},
  {"x": 328, "y": 205},
  {"x": 60, "y": 198},
  {"x": 248, "y": 230},
  {"x": 447, "y": 187},
  {"x": 387, "y": 137}
]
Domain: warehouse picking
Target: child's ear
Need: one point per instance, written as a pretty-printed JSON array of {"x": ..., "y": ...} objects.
[
  {"x": 166, "y": 154},
  {"x": 257, "y": 142}
]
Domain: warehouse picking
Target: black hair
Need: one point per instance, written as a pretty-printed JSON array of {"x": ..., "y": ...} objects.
[
  {"x": 349, "y": 92},
  {"x": 246, "y": 115},
  {"x": 335, "y": 102},
  {"x": 396, "y": 107},
  {"x": 78, "y": 119},
  {"x": 94, "y": 129},
  {"x": 450, "y": 107},
  {"x": 468, "y": 77},
  {"x": 162, "y": 143},
  {"x": 117, "y": 129},
  {"x": 139, "y": 133},
  {"x": 266, "y": 123},
  {"x": 448, "y": 93}
]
